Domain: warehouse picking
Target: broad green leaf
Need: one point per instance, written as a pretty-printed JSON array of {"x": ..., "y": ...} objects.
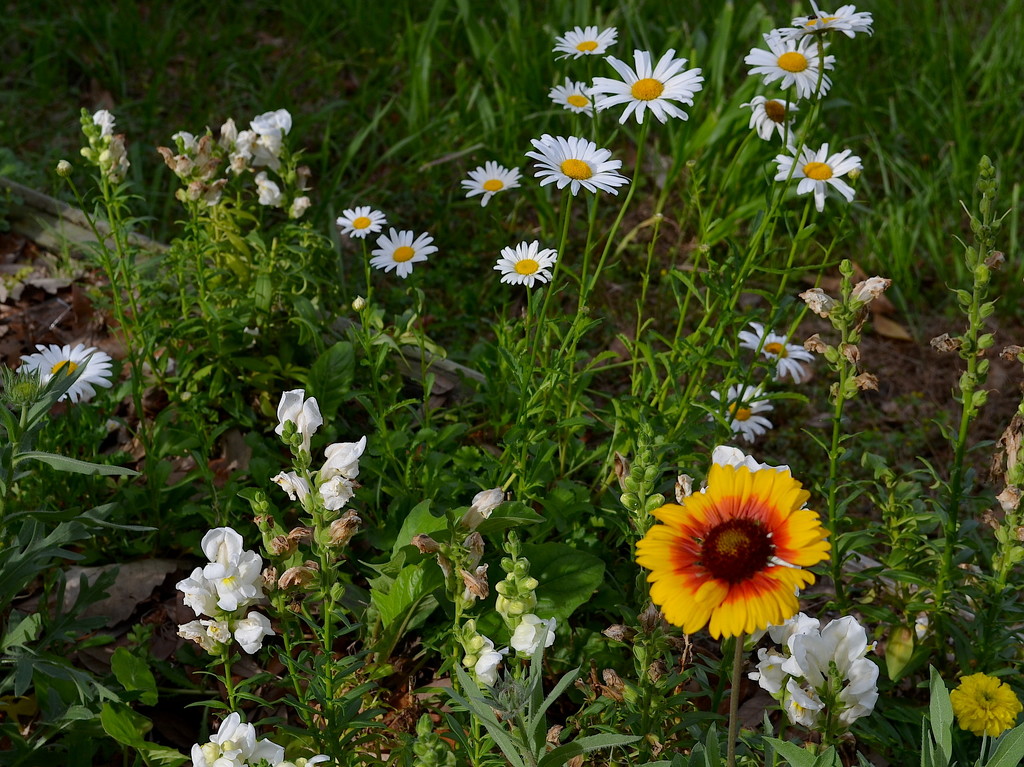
[
  {"x": 413, "y": 583},
  {"x": 512, "y": 514},
  {"x": 792, "y": 753},
  {"x": 330, "y": 378},
  {"x": 568, "y": 577},
  {"x": 26, "y": 630},
  {"x": 1010, "y": 749},
  {"x": 134, "y": 675},
  {"x": 75, "y": 466},
  {"x": 418, "y": 521},
  {"x": 124, "y": 725}
]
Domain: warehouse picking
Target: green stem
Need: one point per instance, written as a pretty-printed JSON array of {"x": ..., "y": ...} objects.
[{"x": 734, "y": 701}]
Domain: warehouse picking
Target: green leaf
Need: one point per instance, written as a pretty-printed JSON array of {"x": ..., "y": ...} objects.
[
  {"x": 124, "y": 725},
  {"x": 134, "y": 675},
  {"x": 413, "y": 583},
  {"x": 418, "y": 521},
  {"x": 1010, "y": 749},
  {"x": 568, "y": 577},
  {"x": 75, "y": 466},
  {"x": 330, "y": 378},
  {"x": 940, "y": 711},
  {"x": 512, "y": 514},
  {"x": 792, "y": 753},
  {"x": 26, "y": 630}
]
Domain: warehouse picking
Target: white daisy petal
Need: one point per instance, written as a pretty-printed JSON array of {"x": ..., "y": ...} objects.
[{"x": 51, "y": 360}]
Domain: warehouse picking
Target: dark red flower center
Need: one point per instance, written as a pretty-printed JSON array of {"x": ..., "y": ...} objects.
[{"x": 736, "y": 549}]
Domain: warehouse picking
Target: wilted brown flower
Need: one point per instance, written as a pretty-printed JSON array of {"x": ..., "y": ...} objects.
[{"x": 819, "y": 302}]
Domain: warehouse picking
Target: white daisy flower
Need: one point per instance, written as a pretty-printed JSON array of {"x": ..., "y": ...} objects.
[
  {"x": 794, "y": 61},
  {"x": 575, "y": 162},
  {"x": 744, "y": 410},
  {"x": 52, "y": 359},
  {"x": 818, "y": 170},
  {"x": 846, "y": 19},
  {"x": 526, "y": 264},
  {"x": 489, "y": 179},
  {"x": 585, "y": 41},
  {"x": 788, "y": 357},
  {"x": 359, "y": 222},
  {"x": 648, "y": 87},
  {"x": 572, "y": 96},
  {"x": 398, "y": 251},
  {"x": 770, "y": 115}
]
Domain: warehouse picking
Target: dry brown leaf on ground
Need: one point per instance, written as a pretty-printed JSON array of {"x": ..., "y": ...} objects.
[{"x": 890, "y": 328}]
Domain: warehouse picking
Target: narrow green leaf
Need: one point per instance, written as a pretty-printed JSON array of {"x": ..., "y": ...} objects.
[
  {"x": 73, "y": 465},
  {"x": 1010, "y": 749},
  {"x": 940, "y": 711},
  {"x": 792, "y": 753}
]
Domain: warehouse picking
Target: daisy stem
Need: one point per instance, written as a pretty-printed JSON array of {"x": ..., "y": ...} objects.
[
  {"x": 588, "y": 286},
  {"x": 541, "y": 320},
  {"x": 734, "y": 700},
  {"x": 367, "y": 273}
]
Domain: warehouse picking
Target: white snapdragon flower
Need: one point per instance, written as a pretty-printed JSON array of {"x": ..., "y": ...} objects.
[
  {"x": 342, "y": 460},
  {"x": 531, "y": 631},
  {"x": 200, "y": 594},
  {"x": 304, "y": 413},
  {"x": 486, "y": 667},
  {"x": 269, "y": 128},
  {"x": 233, "y": 572},
  {"x": 802, "y": 704},
  {"x": 296, "y": 487},
  {"x": 269, "y": 191},
  {"x": 105, "y": 120},
  {"x": 336, "y": 492},
  {"x": 299, "y": 206},
  {"x": 198, "y": 631},
  {"x": 236, "y": 740},
  {"x": 250, "y": 631},
  {"x": 798, "y": 624},
  {"x": 769, "y": 672}
]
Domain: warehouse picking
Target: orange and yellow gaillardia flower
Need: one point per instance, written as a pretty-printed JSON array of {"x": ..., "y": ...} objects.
[{"x": 731, "y": 557}]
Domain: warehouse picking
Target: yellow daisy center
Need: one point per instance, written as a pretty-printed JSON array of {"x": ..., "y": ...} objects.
[
  {"x": 67, "y": 366},
  {"x": 793, "y": 62},
  {"x": 403, "y": 254},
  {"x": 361, "y": 223},
  {"x": 819, "y": 171},
  {"x": 740, "y": 413},
  {"x": 576, "y": 169},
  {"x": 647, "y": 89},
  {"x": 736, "y": 549},
  {"x": 493, "y": 185},
  {"x": 775, "y": 110},
  {"x": 587, "y": 46},
  {"x": 578, "y": 101},
  {"x": 527, "y": 266},
  {"x": 776, "y": 348},
  {"x": 814, "y": 21}
]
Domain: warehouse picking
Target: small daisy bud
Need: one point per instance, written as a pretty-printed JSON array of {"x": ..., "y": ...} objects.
[
  {"x": 63, "y": 169},
  {"x": 359, "y": 304}
]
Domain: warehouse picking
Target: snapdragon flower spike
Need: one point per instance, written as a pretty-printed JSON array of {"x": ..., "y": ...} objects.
[
  {"x": 233, "y": 572},
  {"x": 304, "y": 413}
]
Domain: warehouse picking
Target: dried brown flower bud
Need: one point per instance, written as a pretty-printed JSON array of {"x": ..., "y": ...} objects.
[
  {"x": 554, "y": 735},
  {"x": 851, "y": 352},
  {"x": 621, "y": 467},
  {"x": 657, "y": 670},
  {"x": 868, "y": 290},
  {"x": 815, "y": 345},
  {"x": 819, "y": 302},
  {"x": 476, "y": 582},
  {"x": 474, "y": 545},
  {"x": 301, "y": 534},
  {"x": 944, "y": 343},
  {"x": 614, "y": 687},
  {"x": 1011, "y": 352},
  {"x": 619, "y": 633},
  {"x": 280, "y": 546},
  {"x": 683, "y": 487},
  {"x": 866, "y": 381},
  {"x": 1009, "y": 499},
  {"x": 269, "y": 579},
  {"x": 426, "y": 544},
  {"x": 299, "y": 576},
  {"x": 650, "y": 618},
  {"x": 995, "y": 259},
  {"x": 343, "y": 528}
]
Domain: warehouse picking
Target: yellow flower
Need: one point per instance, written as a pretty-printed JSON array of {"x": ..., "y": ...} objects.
[
  {"x": 984, "y": 705},
  {"x": 732, "y": 555}
]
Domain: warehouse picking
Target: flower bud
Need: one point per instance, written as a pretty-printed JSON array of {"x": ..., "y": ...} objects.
[
  {"x": 426, "y": 544},
  {"x": 64, "y": 169},
  {"x": 342, "y": 530},
  {"x": 359, "y": 304}
]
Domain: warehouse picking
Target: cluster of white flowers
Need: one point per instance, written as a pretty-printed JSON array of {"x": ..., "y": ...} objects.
[
  {"x": 796, "y": 58},
  {"x": 221, "y": 591},
  {"x": 106, "y": 149},
  {"x": 820, "y": 672},
  {"x": 336, "y": 480},
  {"x": 396, "y": 250},
  {"x": 482, "y": 657},
  {"x": 235, "y": 745},
  {"x": 197, "y": 161}
]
